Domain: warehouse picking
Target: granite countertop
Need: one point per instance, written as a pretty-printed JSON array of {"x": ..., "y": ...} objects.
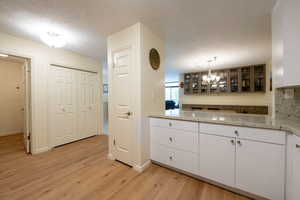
[{"x": 248, "y": 120}]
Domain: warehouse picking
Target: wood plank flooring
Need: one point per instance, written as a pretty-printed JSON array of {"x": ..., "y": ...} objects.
[{"x": 81, "y": 171}]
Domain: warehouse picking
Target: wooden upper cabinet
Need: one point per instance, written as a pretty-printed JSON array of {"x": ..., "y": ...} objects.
[{"x": 233, "y": 80}]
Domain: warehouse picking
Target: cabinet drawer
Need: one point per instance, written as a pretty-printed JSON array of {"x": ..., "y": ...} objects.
[
  {"x": 182, "y": 160},
  {"x": 174, "y": 124},
  {"x": 215, "y": 129},
  {"x": 173, "y": 138},
  {"x": 262, "y": 135}
]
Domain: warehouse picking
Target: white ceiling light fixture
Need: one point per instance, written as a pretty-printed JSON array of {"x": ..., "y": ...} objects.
[
  {"x": 53, "y": 39},
  {"x": 211, "y": 78},
  {"x": 3, "y": 55}
]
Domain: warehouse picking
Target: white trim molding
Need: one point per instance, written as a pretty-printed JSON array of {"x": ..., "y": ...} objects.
[{"x": 141, "y": 168}]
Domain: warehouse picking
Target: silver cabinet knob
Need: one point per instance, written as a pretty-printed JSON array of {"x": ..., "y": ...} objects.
[
  {"x": 171, "y": 139},
  {"x": 298, "y": 146},
  {"x": 236, "y": 133},
  {"x": 170, "y": 158},
  {"x": 232, "y": 141},
  {"x": 239, "y": 142}
]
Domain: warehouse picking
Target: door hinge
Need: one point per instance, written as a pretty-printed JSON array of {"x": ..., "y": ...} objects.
[{"x": 114, "y": 142}]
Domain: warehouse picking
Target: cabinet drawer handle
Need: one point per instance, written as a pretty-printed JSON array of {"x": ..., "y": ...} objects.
[
  {"x": 298, "y": 146},
  {"x": 236, "y": 133},
  {"x": 239, "y": 142},
  {"x": 232, "y": 141},
  {"x": 170, "y": 124},
  {"x": 171, "y": 139},
  {"x": 171, "y": 158}
]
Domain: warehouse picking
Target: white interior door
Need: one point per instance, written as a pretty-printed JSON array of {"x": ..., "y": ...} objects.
[
  {"x": 62, "y": 105},
  {"x": 27, "y": 105},
  {"x": 121, "y": 126},
  {"x": 87, "y": 105}
]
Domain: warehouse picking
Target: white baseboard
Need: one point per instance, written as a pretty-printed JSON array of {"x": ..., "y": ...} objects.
[
  {"x": 40, "y": 150},
  {"x": 111, "y": 157},
  {"x": 141, "y": 168}
]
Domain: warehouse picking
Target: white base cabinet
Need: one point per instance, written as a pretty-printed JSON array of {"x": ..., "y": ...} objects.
[
  {"x": 293, "y": 168},
  {"x": 175, "y": 143},
  {"x": 247, "y": 159}
]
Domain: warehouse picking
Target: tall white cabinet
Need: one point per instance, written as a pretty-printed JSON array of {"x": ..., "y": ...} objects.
[
  {"x": 286, "y": 43},
  {"x": 73, "y": 105}
]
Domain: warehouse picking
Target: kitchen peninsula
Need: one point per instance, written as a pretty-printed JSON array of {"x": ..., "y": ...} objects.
[{"x": 248, "y": 154}]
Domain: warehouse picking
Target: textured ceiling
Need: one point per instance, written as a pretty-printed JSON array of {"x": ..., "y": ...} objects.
[{"x": 238, "y": 32}]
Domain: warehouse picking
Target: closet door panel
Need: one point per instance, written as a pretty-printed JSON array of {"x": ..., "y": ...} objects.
[
  {"x": 92, "y": 99},
  {"x": 62, "y": 106},
  {"x": 82, "y": 104},
  {"x": 87, "y": 105}
]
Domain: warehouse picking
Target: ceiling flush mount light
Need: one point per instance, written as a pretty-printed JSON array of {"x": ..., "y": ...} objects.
[
  {"x": 3, "y": 55},
  {"x": 211, "y": 78},
  {"x": 53, "y": 39}
]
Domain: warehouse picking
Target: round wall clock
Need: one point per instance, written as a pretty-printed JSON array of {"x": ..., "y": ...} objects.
[{"x": 154, "y": 59}]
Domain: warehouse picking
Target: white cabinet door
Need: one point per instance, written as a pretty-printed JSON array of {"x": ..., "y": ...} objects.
[
  {"x": 293, "y": 167},
  {"x": 217, "y": 158},
  {"x": 62, "y": 106},
  {"x": 260, "y": 168}
]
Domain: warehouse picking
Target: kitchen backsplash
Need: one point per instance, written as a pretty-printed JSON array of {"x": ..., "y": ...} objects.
[{"x": 287, "y": 103}]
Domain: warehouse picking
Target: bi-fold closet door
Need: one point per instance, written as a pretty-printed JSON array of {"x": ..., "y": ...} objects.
[{"x": 73, "y": 104}]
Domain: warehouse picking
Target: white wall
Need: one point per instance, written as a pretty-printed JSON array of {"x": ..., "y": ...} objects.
[
  {"x": 42, "y": 56},
  {"x": 153, "y": 86},
  {"x": 11, "y": 99},
  {"x": 147, "y": 89},
  {"x": 245, "y": 99}
]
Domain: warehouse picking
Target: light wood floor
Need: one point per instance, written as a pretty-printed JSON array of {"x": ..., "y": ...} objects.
[{"x": 81, "y": 170}]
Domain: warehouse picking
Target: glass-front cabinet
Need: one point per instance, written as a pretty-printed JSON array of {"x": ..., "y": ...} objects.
[
  {"x": 259, "y": 79},
  {"x": 245, "y": 79},
  {"x": 223, "y": 83},
  {"x": 234, "y": 80}
]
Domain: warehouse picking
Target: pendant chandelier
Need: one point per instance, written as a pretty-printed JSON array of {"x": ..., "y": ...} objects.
[{"x": 211, "y": 78}]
